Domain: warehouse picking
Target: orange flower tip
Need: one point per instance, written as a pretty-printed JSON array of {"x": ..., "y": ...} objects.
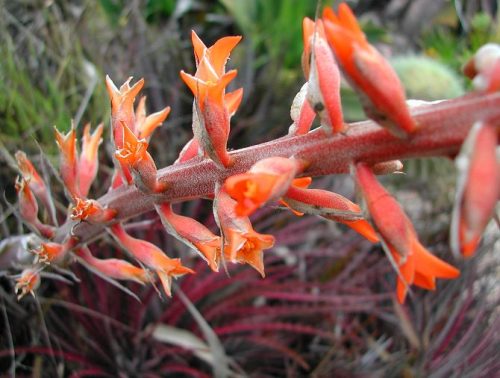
[
  {"x": 49, "y": 252},
  {"x": 469, "y": 249},
  {"x": 198, "y": 45},
  {"x": 28, "y": 282},
  {"x": 233, "y": 100},
  {"x": 92, "y": 211},
  {"x": 364, "y": 229}
]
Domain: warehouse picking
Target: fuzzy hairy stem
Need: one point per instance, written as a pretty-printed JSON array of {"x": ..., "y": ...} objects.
[{"x": 442, "y": 129}]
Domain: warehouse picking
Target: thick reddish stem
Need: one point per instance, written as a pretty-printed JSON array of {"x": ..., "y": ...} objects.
[{"x": 442, "y": 129}]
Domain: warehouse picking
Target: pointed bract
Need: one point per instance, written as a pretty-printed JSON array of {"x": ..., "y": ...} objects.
[
  {"x": 68, "y": 165},
  {"x": 88, "y": 163}
]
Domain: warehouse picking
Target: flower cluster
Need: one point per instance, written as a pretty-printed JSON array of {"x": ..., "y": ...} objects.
[{"x": 277, "y": 173}]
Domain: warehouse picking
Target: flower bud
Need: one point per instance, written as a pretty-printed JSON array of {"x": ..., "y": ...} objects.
[
  {"x": 323, "y": 85},
  {"x": 151, "y": 256},
  {"x": 113, "y": 268},
  {"x": 416, "y": 265},
  {"x": 242, "y": 244},
  {"x": 331, "y": 206},
  {"x": 377, "y": 84},
  {"x": 267, "y": 180},
  {"x": 192, "y": 233}
]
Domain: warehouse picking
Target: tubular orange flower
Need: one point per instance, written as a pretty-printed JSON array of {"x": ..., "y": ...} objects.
[
  {"x": 242, "y": 244},
  {"x": 331, "y": 206},
  {"x": 50, "y": 253},
  {"x": 28, "y": 208},
  {"x": 481, "y": 189},
  {"x": 35, "y": 182},
  {"x": 88, "y": 162},
  {"x": 267, "y": 180},
  {"x": 28, "y": 282},
  {"x": 122, "y": 107},
  {"x": 151, "y": 256},
  {"x": 213, "y": 108},
  {"x": 416, "y": 265},
  {"x": 114, "y": 268},
  {"x": 323, "y": 89},
  {"x": 68, "y": 167},
  {"x": 134, "y": 155},
  {"x": 211, "y": 116},
  {"x": 370, "y": 74},
  {"x": 91, "y": 211},
  {"x": 192, "y": 233}
]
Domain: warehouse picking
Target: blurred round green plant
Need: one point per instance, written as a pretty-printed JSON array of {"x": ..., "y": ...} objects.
[{"x": 427, "y": 79}]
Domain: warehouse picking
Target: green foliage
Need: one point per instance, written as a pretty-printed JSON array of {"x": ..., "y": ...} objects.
[
  {"x": 455, "y": 48},
  {"x": 45, "y": 79},
  {"x": 274, "y": 28}
]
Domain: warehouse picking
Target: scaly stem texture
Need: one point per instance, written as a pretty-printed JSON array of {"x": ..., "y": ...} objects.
[{"x": 442, "y": 128}]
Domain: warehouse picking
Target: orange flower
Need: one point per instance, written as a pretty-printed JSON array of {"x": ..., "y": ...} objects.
[
  {"x": 213, "y": 108},
  {"x": 242, "y": 244},
  {"x": 369, "y": 73},
  {"x": 28, "y": 282},
  {"x": 88, "y": 162},
  {"x": 114, "y": 268},
  {"x": 68, "y": 167},
  {"x": 323, "y": 90},
  {"x": 135, "y": 156},
  {"x": 31, "y": 176},
  {"x": 267, "y": 180},
  {"x": 50, "y": 252},
  {"x": 151, "y": 256},
  {"x": 331, "y": 206},
  {"x": 122, "y": 107},
  {"x": 28, "y": 208},
  {"x": 416, "y": 265},
  {"x": 481, "y": 189},
  {"x": 91, "y": 211},
  {"x": 192, "y": 233}
]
